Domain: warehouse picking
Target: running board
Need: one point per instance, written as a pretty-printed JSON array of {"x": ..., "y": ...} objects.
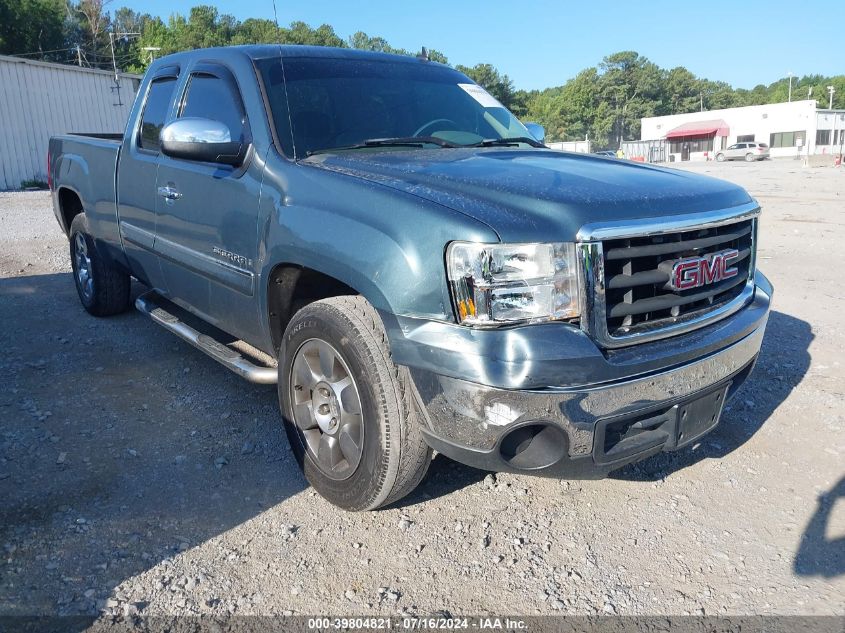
[{"x": 148, "y": 303}]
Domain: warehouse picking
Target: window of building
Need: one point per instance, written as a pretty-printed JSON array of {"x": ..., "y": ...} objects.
[
  {"x": 745, "y": 138},
  {"x": 676, "y": 146},
  {"x": 788, "y": 139},
  {"x": 155, "y": 112},
  {"x": 822, "y": 137}
]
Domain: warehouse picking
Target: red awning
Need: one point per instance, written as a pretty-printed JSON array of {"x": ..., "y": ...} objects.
[{"x": 700, "y": 128}]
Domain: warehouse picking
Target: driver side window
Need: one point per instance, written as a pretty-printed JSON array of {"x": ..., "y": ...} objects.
[{"x": 210, "y": 97}]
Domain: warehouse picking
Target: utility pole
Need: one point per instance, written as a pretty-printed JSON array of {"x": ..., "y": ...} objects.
[
  {"x": 790, "y": 86},
  {"x": 831, "y": 90},
  {"x": 113, "y": 61}
]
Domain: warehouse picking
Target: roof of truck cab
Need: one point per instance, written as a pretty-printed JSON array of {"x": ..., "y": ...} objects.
[{"x": 265, "y": 51}]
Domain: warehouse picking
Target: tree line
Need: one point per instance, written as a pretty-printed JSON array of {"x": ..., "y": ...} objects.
[{"x": 604, "y": 102}]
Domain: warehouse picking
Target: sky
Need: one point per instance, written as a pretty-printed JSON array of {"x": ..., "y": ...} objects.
[{"x": 542, "y": 43}]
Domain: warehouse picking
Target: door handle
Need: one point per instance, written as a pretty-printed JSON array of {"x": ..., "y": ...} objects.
[{"x": 169, "y": 192}]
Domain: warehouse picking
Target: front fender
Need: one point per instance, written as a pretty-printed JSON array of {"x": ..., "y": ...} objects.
[
  {"x": 387, "y": 245},
  {"x": 393, "y": 276}
]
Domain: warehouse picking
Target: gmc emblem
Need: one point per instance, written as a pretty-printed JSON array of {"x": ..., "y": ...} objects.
[{"x": 700, "y": 271}]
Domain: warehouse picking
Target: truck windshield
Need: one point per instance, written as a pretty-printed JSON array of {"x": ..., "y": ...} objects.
[{"x": 321, "y": 104}]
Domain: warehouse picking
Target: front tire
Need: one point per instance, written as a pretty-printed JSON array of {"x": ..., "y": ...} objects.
[
  {"x": 749, "y": 158},
  {"x": 720, "y": 158},
  {"x": 347, "y": 408},
  {"x": 103, "y": 288}
]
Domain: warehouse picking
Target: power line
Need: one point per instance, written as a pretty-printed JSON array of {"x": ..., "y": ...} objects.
[{"x": 55, "y": 50}]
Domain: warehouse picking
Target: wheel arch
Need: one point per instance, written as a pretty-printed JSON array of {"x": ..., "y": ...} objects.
[
  {"x": 291, "y": 286},
  {"x": 70, "y": 205}
]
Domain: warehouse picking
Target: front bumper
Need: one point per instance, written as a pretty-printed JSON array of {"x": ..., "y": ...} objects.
[{"x": 527, "y": 400}]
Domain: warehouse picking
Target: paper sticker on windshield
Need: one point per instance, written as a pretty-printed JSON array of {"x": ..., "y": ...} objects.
[{"x": 481, "y": 95}]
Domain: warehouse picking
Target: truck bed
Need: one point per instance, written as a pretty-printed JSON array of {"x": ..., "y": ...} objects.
[{"x": 86, "y": 165}]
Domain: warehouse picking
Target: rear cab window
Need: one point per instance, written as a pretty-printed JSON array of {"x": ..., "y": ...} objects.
[{"x": 156, "y": 107}]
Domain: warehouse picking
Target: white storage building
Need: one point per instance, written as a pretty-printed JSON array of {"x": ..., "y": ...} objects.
[
  {"x": 790, "y": 129},
  {"x": 39, "y": 99}
]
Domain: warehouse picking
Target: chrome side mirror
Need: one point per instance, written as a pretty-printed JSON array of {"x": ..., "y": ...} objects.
[
  {"x": 204, "y": 140},
  {"x": 537, "y": 131}
]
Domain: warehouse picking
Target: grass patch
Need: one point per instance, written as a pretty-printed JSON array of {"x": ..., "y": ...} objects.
[{"x": 33, "y": 183}]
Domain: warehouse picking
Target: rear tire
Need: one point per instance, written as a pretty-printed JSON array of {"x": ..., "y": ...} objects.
[
  {"x": 347, "y": 408},
  {"x": 103, "y": 288}
]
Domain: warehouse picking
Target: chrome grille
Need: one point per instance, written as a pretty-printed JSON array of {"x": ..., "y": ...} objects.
[
  {"x": 627, "y": 290},
  {"x": 637, "y": 272}
]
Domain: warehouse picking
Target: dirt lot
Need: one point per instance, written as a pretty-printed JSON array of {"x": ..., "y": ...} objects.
[{"x": 138, "y": 476}]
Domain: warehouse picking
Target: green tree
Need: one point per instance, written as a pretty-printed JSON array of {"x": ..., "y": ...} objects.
[
  {"x": 94, "y": 24},
  {"x": 548, "y": 108},
  {"x": 301, "y": 33},
  {"x": 128, "y": 54},
  {"x": 32, "y": 26},
  {"x": 257, "y": 31},
  {"x": 631, "y": 85},
  {"x": 520, "y": 102},
  {"x": 681, "y": 91},
  {"x": 715, "y": 95},
  {"x": 581, "y": 97},
  {"x": 605, "y": 103},
  {"x": 364, "y": 42}
]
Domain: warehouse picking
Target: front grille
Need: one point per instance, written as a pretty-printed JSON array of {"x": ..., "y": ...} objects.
[{"x": 637, "y": 271}]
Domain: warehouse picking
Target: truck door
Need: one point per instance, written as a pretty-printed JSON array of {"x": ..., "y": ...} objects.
[
  {"x": 136, "y": 177},
  {"x": 206, "y": 214}
]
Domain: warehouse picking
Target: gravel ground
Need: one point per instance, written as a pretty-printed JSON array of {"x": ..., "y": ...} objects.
[{"x": 138, "y": 476}]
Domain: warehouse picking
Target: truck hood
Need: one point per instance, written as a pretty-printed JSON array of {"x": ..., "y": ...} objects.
[{"x": 530, "y": 195}]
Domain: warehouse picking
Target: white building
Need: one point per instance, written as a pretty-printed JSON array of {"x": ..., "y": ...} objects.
[
  {"x": 39, "y": 99},
  {"x": 788, "y": 129},
  {"x": 580, "y": 147}
]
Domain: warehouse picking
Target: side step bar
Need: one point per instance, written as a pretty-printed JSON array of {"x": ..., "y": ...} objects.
[{"x": 147, "y": 304}]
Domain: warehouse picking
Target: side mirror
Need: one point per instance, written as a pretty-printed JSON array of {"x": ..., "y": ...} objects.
[
  {"x": 537, "y": 131},
  {"x": 204, "y": 140}
]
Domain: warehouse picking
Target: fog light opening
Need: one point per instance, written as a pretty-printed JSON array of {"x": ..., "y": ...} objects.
[{"x": 533, "y": 446}]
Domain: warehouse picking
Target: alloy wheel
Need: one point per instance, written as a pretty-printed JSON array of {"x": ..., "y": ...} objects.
[
  {"x": 83, "y": 267},
  {"x": 327, "y": 408}
]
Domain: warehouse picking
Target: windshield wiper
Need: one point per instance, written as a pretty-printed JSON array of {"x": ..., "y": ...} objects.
[
  {"x": 515, "y": 140},
  {"x": 399, "y": 141}
]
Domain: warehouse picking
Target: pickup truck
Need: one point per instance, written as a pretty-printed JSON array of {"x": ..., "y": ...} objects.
[{"x": 384, "y": 241}]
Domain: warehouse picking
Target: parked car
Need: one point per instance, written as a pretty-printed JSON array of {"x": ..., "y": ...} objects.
[
  {"x": 744, "y": 151},
  {"x": 380, "y": 238},
  {"x": 606, "y": 152}
]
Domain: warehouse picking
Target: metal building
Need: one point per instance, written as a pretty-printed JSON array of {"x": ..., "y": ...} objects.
[{"x": 40, "y": 99}]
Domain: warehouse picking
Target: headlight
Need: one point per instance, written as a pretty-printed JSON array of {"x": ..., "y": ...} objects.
[{"x": 505, "y": 283}]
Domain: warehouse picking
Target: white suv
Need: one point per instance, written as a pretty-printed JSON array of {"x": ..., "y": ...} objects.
[{"x": 744, "y": 151}]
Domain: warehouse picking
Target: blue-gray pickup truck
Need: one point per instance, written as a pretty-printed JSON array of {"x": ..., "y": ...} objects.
[{"x": 413, "y": 268}]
